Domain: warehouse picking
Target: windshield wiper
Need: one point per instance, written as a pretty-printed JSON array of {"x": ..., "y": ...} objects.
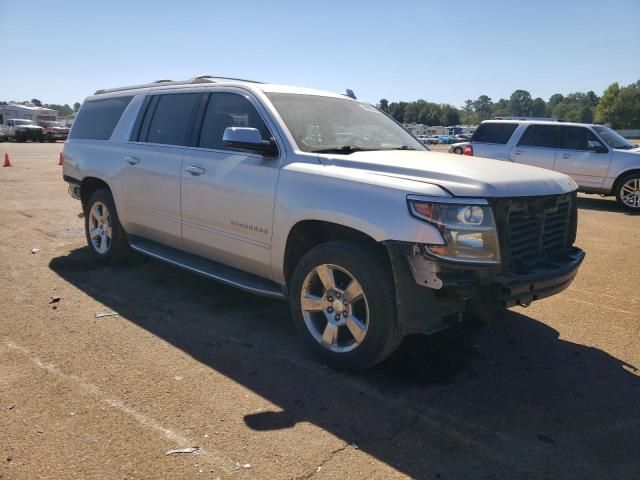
[
  {"x": 403, "y": 147},
  {"x": 346, "y": 149}
]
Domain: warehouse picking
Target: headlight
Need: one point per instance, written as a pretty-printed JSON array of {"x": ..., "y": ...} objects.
[{"x": 467, "y": 227}]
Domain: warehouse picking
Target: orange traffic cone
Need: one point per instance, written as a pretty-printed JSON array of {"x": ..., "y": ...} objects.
[
  {"x": 61, "y": 161},
  {"x": 7, "y": 162}
]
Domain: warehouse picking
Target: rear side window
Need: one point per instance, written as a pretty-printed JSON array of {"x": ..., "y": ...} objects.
[
  {"x": 494, "y": 132},
  {"x": 170, "y": 119},
  {"x": 97, "y": 118},
  {"x": 545, "y": 136},
  {"x": 228, "y": 110}
]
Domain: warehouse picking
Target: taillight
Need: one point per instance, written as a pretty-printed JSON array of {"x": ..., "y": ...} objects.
[{"x": 468, "y": 150}]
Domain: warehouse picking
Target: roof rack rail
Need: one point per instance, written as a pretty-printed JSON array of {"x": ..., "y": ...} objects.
[{"x": 194, "y": 80}]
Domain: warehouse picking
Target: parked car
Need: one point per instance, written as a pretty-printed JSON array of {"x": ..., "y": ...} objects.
[
  {"x": 458, "y": 148},
  {"x": 596, "y": 157},
  {"x": 54, "y": 131},
  {"x": 21, "y": 130},
  {"x": 449, "y": 139},
  {"x": 248, "y": 184}
]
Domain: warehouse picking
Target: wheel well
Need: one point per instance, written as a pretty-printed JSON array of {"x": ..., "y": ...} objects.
[
  {"x": 309, "y": 233},
  {"x": 90, "y": 185},
  {"x": 621, "y": 176}
]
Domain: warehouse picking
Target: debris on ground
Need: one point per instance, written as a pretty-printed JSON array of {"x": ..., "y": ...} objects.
[
  {"x": 35, "y": 250},
  {"x": 182, "y": 450},
  {"x": 106, "y": 313},
  {"x": 54, "y": 299}
]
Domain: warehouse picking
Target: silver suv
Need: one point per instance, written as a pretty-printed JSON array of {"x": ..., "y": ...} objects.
[
  {"x": 596, "y": 157},
  {"x": 321, "y": 199}
]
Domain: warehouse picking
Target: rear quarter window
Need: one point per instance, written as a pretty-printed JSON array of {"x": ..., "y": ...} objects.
[
  {"x": 97, "y": 118},
  {"x": 494, "y": 132}
]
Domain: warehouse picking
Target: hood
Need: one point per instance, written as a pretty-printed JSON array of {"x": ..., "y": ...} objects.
[
  {"x": 633, "y": 150},
  {"x": 462, "y": 176},
  {"x": 31, "y": 127}
]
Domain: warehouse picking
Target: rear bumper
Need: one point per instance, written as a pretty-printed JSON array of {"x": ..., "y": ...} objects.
[{"x": 548, "y": 279}]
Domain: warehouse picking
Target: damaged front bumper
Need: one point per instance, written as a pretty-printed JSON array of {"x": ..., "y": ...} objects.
[{"x": 432, "y": 293}]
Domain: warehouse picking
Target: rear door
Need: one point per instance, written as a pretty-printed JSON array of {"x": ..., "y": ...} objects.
[
  {"x": 490, "y": 140},
  {"x": 152, "y": 161},
  {"x": 588, "y": 168},
  {"x": 537, "y": 146}
]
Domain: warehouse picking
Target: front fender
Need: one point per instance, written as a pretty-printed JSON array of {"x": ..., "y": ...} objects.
[{"x": 375, "y": 205}]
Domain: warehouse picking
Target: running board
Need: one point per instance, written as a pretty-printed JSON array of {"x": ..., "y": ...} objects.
[{"x": 208, "y": 268}]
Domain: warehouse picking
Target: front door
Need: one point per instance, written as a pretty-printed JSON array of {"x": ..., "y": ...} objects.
[
  {"x": 588, "y": 168},
  {"x": 228, "y": 196}
]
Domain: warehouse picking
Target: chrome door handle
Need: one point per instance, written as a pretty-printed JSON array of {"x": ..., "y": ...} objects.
[
  {"x": 194, "y": 170},
  {"x": 518, "y": 152},
  {"x": 566, "y": 155},
  {"x": 132, "y": 160}
]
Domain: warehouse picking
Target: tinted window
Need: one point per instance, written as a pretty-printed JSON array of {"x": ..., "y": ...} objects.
[
  {"x": 171, "y": 118},
  {"x": 576, "y": 138},
  {"x": 97, "y": 118},
  {"x": 547, "y": 136},
  {"x": 494, "y": 132},
  {"x": 228, "y": 110}
]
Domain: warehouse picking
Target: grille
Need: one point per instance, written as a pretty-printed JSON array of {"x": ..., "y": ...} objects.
[{"x": 534, "y": 229}]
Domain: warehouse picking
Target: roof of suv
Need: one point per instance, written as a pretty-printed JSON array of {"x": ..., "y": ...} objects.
[
  {"x": 539, "y": 122},
  {"x": 207, "y": 81}
]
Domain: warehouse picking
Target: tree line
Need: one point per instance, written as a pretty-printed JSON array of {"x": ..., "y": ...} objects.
[
  {"x": 63, "y": 110},
  {"x": 618, "y": 106}
]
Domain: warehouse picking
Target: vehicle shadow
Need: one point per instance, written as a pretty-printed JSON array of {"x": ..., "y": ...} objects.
[
  {"x": 509, "y": 400},
  {"x": 602, "y": 204}
]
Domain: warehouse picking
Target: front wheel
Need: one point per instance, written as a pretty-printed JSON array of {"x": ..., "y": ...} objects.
[
  {"x": 106, "y": 238},
  {"x": 343, "y": 304},
  {"x": 628, "y": 192}
]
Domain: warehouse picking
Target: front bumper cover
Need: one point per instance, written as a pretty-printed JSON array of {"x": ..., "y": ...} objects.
[{"x": 542, "y": 281}]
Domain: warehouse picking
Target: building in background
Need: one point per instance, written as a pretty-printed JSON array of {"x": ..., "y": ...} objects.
[{"x": 27, "y": 112}]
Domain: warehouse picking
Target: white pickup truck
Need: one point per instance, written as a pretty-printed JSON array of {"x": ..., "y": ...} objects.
[
  {"x": 320, "y": 199},
  {"x": 597, "y": 158},
  {"x": 21, "y": 130}
]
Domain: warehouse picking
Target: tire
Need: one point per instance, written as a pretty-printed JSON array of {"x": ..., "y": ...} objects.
[
  {"x": 457, "y": 151},
  {"x": 372, "y": 314},
  {"x": 627, "y": 192},
  {"x": 110, "y": 247}
]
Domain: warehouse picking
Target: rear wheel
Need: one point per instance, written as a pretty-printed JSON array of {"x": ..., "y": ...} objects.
[
  {"x": 628, "y": 192},
  {"x": 343, "y": 304},
  {"x": 106, "y": 238},
  {"x": 457, "y": 151}
]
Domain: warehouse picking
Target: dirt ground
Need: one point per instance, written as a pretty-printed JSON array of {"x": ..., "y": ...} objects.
[{"x": 551, "y": 391}]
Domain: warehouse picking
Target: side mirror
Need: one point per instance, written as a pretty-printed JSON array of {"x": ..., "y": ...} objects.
[
  {"x": 596, "y": 146},
  {"x": 248, "y": 140}
]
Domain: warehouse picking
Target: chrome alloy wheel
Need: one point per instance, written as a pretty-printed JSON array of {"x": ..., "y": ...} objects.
[
  {"x": 334, "y": 308},
  {"x": 100, "y": 230},
  {"x": 630, "y": 193}
]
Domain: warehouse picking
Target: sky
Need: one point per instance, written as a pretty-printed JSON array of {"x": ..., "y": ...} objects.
[{"x": 444, "y": 52}]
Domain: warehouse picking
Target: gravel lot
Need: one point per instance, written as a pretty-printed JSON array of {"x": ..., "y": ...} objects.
[{"x": 552, "y": 391}]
